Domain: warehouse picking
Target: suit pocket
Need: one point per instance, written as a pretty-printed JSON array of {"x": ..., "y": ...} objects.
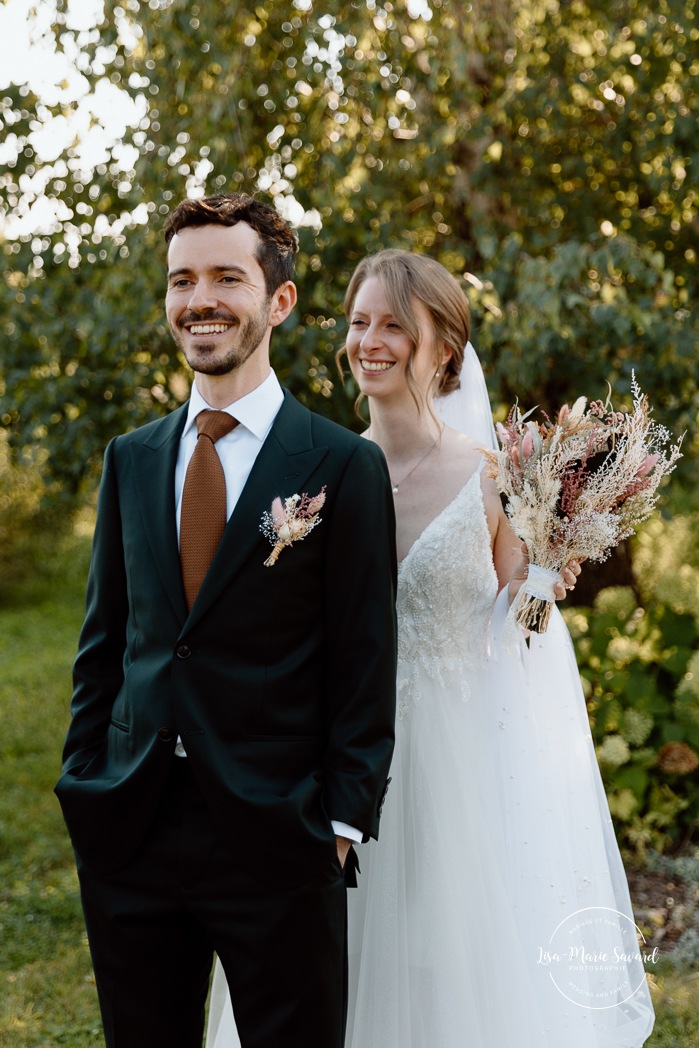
[
  {"x": 80, "y": 767},
  {"x": 121, "y": 725}
]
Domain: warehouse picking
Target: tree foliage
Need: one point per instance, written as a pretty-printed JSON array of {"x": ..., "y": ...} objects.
[{"x": 543, "y": 151}]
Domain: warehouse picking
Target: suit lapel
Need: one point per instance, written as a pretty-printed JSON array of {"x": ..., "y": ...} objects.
[
  {"x": 154, "y": 459},
  {"x": 286, "y": 460}
]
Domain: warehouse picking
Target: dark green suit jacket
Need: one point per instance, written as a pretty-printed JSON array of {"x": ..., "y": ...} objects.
[{"x": 280, "y": 681}]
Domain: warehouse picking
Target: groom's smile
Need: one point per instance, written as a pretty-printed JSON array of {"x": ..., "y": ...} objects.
[
  {"x": 207, "y": 329},
  {"x": 206, "y": 332}
]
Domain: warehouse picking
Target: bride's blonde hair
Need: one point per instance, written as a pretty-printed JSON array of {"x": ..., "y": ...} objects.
[{"x": 405, "y": 276}]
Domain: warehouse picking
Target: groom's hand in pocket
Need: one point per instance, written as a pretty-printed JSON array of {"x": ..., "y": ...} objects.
[{"x": 343, "y": 846}]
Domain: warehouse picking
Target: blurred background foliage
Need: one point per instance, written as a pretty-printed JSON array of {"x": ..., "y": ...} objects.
[{"x": 544, "y": 151}]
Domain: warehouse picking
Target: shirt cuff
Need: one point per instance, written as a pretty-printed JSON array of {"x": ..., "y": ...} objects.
[{"x": 343, "y": 830}]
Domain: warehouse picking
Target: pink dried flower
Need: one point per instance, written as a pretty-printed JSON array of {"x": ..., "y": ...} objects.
[
  {"x": 503, "y": 434},
  {"x": 647, "y": 465},
  {"x": 313, "y": 505},
  {"x": 278, "y": 515}
]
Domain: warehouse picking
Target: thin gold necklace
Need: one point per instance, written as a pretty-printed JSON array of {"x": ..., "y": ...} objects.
[{"x": 402, "y": 480}]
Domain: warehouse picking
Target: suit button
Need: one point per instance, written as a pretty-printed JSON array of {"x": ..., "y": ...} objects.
[
  {"x": 184, "y": 651},
  {"x": 165, "y": 734}
]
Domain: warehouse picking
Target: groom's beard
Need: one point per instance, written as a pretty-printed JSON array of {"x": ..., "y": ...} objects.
[{"x": 211, "y": 358}]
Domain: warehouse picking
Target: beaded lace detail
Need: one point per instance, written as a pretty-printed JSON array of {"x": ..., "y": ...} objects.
[{"x": 446, "y": 588}]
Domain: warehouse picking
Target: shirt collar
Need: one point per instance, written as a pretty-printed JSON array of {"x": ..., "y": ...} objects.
[{"x": 256, "y": 411}]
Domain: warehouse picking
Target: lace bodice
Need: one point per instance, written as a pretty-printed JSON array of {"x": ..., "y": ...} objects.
[{"x": 446, "y": 588}]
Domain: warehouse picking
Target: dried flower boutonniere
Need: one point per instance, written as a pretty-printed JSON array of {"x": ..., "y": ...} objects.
[{"x": 290, "y": 521}]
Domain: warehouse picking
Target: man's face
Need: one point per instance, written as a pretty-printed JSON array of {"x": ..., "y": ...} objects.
[{"x": 217, "y": 304}]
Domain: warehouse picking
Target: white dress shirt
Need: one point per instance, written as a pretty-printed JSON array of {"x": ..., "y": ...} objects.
[{"x": 237, "y": 450}]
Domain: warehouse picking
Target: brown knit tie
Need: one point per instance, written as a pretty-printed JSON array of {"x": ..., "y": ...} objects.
[{"x": 203, "y": 517}]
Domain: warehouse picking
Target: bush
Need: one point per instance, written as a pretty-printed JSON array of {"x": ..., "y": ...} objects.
[
  {"x": 639, "y": 664},
  {"x": 31, "y": 526},
  {"x": 684, "y": 914}
]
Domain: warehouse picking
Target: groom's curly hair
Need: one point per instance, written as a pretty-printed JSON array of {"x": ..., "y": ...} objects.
[{"x": 278, "y": 246}]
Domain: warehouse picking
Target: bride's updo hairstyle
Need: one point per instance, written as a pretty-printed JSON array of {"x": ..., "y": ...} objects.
[{"x": 405, "y": 276}]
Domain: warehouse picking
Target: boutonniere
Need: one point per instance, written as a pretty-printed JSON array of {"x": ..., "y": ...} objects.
[{"x": 290, "y": 521}]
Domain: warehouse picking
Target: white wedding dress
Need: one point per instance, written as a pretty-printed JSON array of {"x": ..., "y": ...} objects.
[{"x": 496, "y": 842}]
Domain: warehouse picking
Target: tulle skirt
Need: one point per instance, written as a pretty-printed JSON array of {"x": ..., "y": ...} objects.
[{"x": 494, "y": 911}]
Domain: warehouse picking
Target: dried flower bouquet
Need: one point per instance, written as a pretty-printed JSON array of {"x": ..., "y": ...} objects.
[{"x": 577, "y": 486}]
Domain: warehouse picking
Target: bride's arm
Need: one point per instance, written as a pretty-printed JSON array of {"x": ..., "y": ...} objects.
[{"x": 510, "y": 555}]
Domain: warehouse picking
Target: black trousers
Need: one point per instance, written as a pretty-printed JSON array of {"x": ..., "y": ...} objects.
[{"x": 153, "y": 928}]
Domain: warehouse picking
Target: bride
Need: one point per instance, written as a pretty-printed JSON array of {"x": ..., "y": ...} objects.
[{"x": 494, "y": 912}]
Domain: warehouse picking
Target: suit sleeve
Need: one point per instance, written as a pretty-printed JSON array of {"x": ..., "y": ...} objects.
[
  {"x": 361, "y": 628},
  {"x": 98, "y": 669}
]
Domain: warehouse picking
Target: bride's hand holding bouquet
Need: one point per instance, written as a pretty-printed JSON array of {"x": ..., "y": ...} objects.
[
  {"x": 576, "y": 487},
  {"x": 565, "y": 581}
]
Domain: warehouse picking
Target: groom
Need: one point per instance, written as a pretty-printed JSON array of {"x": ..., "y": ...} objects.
[{"x": 232, "y": 722}]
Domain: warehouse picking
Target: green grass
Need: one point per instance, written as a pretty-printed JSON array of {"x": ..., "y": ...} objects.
[
  {"x": 47, "y": 992},
  {"x": 676, "y": 1000}
]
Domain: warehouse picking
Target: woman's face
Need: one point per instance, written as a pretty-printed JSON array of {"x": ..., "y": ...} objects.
[{"x": 379, "y": 349}]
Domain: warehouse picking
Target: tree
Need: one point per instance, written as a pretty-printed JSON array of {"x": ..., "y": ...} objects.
[{"x": 541, "y": 150}]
